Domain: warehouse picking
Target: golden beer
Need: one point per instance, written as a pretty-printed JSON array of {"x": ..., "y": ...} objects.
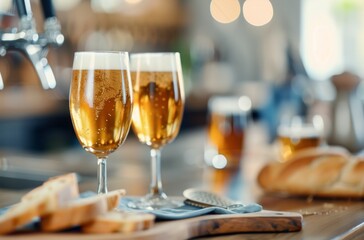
[
  {"x": 158, "y": 106},
  {"x": 227, "y": 122},
  {"x": 100, "y": 109},
  {"x": 292, "y": 140},
  {"x": 226, "y": 134}
]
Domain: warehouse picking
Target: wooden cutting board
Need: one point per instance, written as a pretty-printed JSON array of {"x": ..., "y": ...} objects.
[{"x": 208, "y": 225}]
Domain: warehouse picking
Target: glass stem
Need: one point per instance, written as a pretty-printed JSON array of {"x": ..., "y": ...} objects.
[
  {"x": 102, "y": 175},
  {"x": 156, "y": 182}
]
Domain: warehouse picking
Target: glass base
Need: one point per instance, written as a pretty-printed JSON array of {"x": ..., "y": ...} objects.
[{"x": 153, "y": 202}]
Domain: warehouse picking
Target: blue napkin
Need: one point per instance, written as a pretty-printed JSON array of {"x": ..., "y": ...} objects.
[
  {"x": 187, "y": 211},
  {"x": 3, "y": 210}
]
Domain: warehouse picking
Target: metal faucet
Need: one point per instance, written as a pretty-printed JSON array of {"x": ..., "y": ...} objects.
[{"x": 34, "y": 46}]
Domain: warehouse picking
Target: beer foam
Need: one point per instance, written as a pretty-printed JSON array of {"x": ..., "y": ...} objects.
[
  {"x": 301, "y": 131},
  {"x": 229, "y": 105},
  {"x": 155, "y": 62},
  {"x": 101, "y": 60}
]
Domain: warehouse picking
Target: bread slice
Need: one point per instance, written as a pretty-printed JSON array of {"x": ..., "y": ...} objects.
[
  {"x": 80, "y": 211},
  {"x": 40, "y": 201},
  {"x": 124, "y": 222},
  {"x": 53, "y": 184}
]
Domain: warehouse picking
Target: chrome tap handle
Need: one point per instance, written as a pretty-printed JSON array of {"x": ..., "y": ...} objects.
[
  {"x": 52, "y": 32},
  {"x": 26, "y": 23},
  {"x": 48, "y": 9},
  {"x": 36, "y": 55},
  {"x": 52, "y": 28},
  {"x": 25, "y": 39},
  {"x": 23, "y": 7}
]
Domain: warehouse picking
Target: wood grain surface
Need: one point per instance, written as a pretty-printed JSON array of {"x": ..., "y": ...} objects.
[{"x": 209, "y": 225}]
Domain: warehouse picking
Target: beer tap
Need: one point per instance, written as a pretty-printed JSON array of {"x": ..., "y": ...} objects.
[{"x": 34, "y": 46}]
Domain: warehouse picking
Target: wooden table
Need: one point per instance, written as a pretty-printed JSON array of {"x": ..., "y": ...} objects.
[{"x": 183, "y": 167}]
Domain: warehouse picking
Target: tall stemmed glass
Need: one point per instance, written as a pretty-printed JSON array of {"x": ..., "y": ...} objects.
[
  {"x": 158, "y": 109},
  {"x": 101, "y": 104}
]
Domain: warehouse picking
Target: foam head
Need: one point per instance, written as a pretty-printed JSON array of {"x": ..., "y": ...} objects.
[
  {"x": 301, "y": 131},
  {"x": 101, "y": 60},
  {"x": 155, "y": 62},
  {"x": 231, "y": 105}
]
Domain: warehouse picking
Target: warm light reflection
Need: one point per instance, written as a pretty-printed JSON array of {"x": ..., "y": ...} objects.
[
  {"x": 129, "y": 7},
  {"x": 321, "y": 40},
  {"x": 113, "y": 39},
  {"x": 258, "y": 12},
  {"x": 5, "y": 5},
  {"x": 133, "y": 1},
  {"x": 225, "y": 11},
  {"x": 65, "y": 5},
  {"x": 106, "y": 6}
]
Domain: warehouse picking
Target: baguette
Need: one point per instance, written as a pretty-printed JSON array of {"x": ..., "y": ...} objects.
[
  {"x": 42, "y": 200},
  {"x": 123, "y": 222},
  {"x": 80, "y": 211},
  {"x": 325, "y": 172}
]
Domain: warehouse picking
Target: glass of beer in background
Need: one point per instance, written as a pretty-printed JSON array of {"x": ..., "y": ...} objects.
[
  {"x": 297, "y": 133},
  {"x": 157, "y": 115},
  {"x": 227, "y": 123},
  {"x": 100, "y": 104}
]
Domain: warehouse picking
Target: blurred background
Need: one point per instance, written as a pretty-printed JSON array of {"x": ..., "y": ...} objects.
[{"x": 283, "y": 54}]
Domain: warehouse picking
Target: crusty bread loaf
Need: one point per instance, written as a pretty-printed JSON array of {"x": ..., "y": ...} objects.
[
  {"x": 124, "y": 222},
  {"x": 326, "y": 172},
  {"x": 80, "y": 211},
  {"x": 48, "y": 197}
]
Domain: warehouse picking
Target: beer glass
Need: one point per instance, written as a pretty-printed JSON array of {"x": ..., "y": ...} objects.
[
  {"x": 100, "y": 104},
  {"x": 296, "y": 134},
  {"x": 158, "y": 108},
  {"x": 227, "y": 122}
]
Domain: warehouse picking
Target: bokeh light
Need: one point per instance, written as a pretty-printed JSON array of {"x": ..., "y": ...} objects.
[
  {"x": 245, "y": 103},
  {"x": 258, "y": 12},
  {"x": 219, "y": 161},
  {"x": 225, "y": 11}
]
